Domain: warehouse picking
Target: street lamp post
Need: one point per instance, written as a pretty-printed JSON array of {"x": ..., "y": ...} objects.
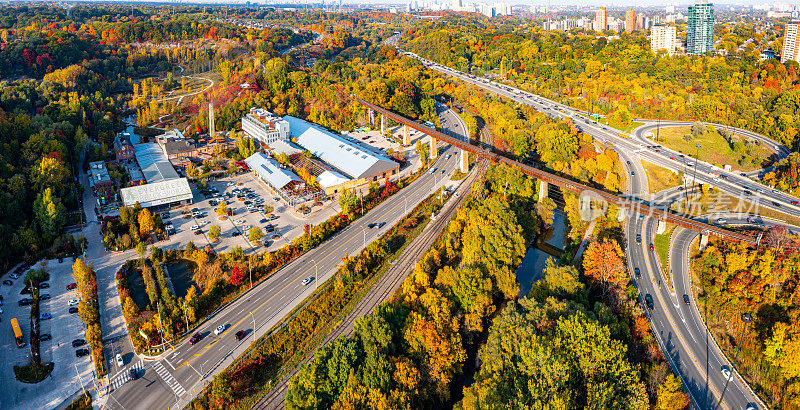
[
  {"x": 364, "y": 231},
  {"x": 316, "y": 274},
  {"x": 250, "y": 266},
  {"x": 658, "y": 126},
  {"x": 746, "y": 318},
  {"x": 254, "y": 321}
]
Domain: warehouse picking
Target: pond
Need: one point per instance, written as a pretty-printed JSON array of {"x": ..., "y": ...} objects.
[
  {"x": 181, "y": 273},
  {"x": 138, "y": 292}
]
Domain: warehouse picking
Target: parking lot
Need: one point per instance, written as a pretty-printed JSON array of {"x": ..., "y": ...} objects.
[
  {"x": 246, "y": 197},
  {"x": 63, "y": 328}
]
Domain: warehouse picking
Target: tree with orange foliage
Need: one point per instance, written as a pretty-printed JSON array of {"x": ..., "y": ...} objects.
[{"x": 604, "y": 263}]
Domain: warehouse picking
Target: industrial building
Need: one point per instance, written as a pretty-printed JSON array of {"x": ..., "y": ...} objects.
[
  {"x": 169, "y": 192},
  {"x": 163, "y": 185},
  {"x": 281, "y": 179},
  {"x": 264, "y": 127}
]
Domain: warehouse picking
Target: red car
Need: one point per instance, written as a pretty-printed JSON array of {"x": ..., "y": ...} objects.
[
  {"x": 195, "y": 338},
  {"x": 794, "y": 202},
  {"x": 72, "y": 286},
  {"x": 652, "y": 248},
  {"x": 240, "y": 335},
  {"x": 198, "y": 232}
]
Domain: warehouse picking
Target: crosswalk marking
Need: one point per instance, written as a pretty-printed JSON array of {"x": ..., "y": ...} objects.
[
  {"x": 124, "y": 377},
  {"x": 167, "y": 376}
]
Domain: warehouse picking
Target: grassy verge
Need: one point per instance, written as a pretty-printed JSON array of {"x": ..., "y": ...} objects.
[
  {"x": 629, "y": 128},
  {"x": 659, "y": 178},
  {"x": 661, "y": 242},
  {"x": 84, "y": 402},
  {"x": 33, "y": 373},
  {"x": 275, "y": 354},
  {"x": 732, "y": 204},
  {"x": 714, "y": 148}
]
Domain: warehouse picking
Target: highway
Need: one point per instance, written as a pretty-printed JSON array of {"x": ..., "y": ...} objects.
[
  {"x": 680, "y": 332},
  {"x": 179, "y": 375}
]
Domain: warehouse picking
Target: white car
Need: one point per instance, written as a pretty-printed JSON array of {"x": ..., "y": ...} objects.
[
  {"x": 722, "y": 221},
  {"x": 307, "y": 280},
  {"x": 231, "y": 184},
  {"x": 14, "y": 276},
  {"x": 195, "y": 227},
  {"x": 120, "y": 362},
  {"x": 726, "y": 371},
  {"x": 74, "y": 302},
  {"x": 247, "y": 227},
  {"x": 239, "y": 221},
  {"x": 219, "y": 330}
]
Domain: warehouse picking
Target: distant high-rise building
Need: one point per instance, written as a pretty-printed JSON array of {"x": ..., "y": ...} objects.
[
  {"x": 700, "y": 35},
  {"x": 641, "y": 22},
  {"x": 663, "y": 38},
  {"x": 791, "y": 45},
  {"x": 630, "y": 21},
  {"x": 457, "y": 5},
  {"x": 601, "y": 19}
]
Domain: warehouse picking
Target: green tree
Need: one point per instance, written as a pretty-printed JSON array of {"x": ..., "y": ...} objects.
[
  {"x": 214, "y": 232},
  {"x": 222, "y": 209},
  {"x": 255, "y": 234},
  {"x": 49, "y": 213}
]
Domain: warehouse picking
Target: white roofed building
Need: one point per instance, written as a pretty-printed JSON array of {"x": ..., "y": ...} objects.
[
  {"x": 280, "y": 178},
  {"x": 170, "y": 192},
  {"x": 351, "y": 158},
  {"x": 265, "y": 127}
]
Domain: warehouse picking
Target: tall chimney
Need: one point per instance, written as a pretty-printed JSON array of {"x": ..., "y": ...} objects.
[{"x": 211, "y": 131}]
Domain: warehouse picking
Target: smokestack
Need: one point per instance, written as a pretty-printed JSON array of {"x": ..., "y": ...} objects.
[{"x": 211, "y": 131}]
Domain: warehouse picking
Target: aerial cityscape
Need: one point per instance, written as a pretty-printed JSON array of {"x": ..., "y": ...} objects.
[{"x": 421, "y": 204}]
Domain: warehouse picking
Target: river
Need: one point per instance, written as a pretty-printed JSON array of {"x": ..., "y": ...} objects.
[{"x": 530, "y": 270}]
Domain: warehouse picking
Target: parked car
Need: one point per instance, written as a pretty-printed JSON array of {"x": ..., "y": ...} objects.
[
  {"x": 195, "y": 338},
  {"x": 25, "y": 301},
  {"x": 45, "y": 316},
  {"x": 72, "y": 286},
  {"x": 45, "y": 337},
  {"x": 78, "y": 342},
  {"x": 120, "y": 360},
  {"x": 81, "y": 352},
  {"x": 240, "y": 335},
  {"x": 73, "y": 310},
  {"x": 8, "y": 282},
  {"x": 44, "y": 285},
  {"x": 235, "y": 233},
  {"x": 45, "y": 296},
  {"x": 198, "y": 232},
  {"x": 14, "y": 275},
  {"x": 219, "y": 330},
  {"x": 74, "y": 302}
]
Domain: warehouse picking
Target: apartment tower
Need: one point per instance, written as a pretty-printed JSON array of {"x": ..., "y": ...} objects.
[{"x": 700, "y": 36}]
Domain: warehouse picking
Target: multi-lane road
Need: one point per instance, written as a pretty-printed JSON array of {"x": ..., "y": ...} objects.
[
  {"x": 179, "y": 375},
  {"x": 678, "y": 327}
]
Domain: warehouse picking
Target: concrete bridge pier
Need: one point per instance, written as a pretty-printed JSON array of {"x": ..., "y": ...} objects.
[
  {"x": 383, "y": 124},
  {"x": 622, "y": 214},
  {"x": 464, "y": 162},
  {"x": 406, "y": 135},
  {"x": 434, "y": 147},
  {"x": 703, "y": 240},
  {"x": 542, "y": 190},
  {"x": 662, "y": 226}
]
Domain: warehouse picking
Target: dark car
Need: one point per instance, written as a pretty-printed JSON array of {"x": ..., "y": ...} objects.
[
  {"x": 648, "y": 300},
  {"x": 371, "y": 226},
  {"x": 263, "y": 221},
  {"x": 134, "y": 374},
  {"x": 637, "y": 273},
  {"x": 775, "y": 203},
  {"x": 195, "y": 338},
  {"x": 78, "y": 342},
  {"x": 44, "y": 296},
  {"x": 25, "y": 302},
  {"x": 652, "y": 248},
  {"x": 381, "y": 225},
  {"x": 686, "y": 299},
  {"x": 240, "y": 335},
  {"x": 8, "y": 282},
  {"x": 44, "y": 285},
  {"x": 81, "y": 352},
  {"x": 72, "y": 286},
  {"x": 44, "y": 337},
  {"x": 73, "y": 310},
  {"x": 639, "y": 239},
  {"x": 235, "y": 233}
]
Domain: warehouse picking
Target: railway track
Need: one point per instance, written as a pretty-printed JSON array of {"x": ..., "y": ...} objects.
[{"x": 384, "y": 289}]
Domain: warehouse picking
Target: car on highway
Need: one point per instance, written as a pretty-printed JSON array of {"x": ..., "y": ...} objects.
[
  {"x": 133, "y": 373},
  {"x": 73, "y": 310},
  {"x": 637, "y": 273},
  {"x": 648, "y": 300},
  {"x": 685, "y": 298},
  {"x": 78, "y": 342},
  {"x": 73, "y": 302},
  {"x": 431, "y": 172},
  {"x": 371, "y": 225},
  {"x": 120, "y": 360},
  {"x": 722, "y": 221},
  {"x": 639, "y": 239},
  {"x": 81, "y": 352},
  {"x": 195, "y": 338},
  {"x": 726, "y": 372},
  {"x": 775, "y": 203},
  {"x": 747, "y": 192},
  {"x": 219, "y": 330},
  {"x": 240, "y": 335},
  {"x": 652, "y": 248},
  {"x": 308, "y": 280}
]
